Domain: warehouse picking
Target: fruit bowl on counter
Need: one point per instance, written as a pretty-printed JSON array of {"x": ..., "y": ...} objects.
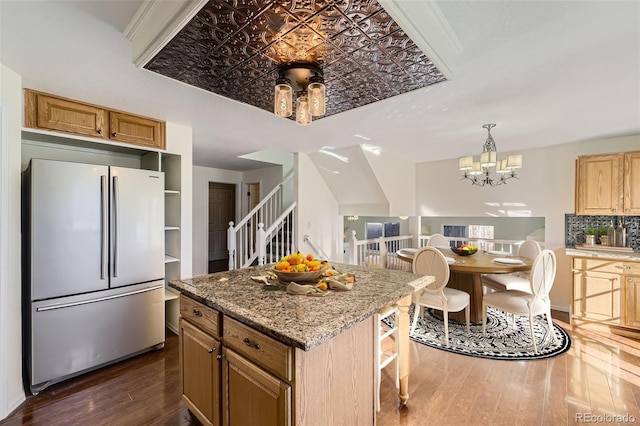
[
  {"x": 465, "y": 250},
  {"x": 299, "y": 268}
]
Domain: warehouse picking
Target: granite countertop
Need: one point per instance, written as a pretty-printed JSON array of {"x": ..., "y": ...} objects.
[
  {"x": 603, "y": 254},
  {"x": 301, "y": 321}
]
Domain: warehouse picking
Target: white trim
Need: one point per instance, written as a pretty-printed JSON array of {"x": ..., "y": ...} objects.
[
  {"x": 4, "y": 274},
  {"x": 425, "y": 24},
  {"x": 155, "y": 23}
]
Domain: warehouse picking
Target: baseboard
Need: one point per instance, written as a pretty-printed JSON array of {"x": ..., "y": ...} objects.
[{"x": 561, "y": 308}]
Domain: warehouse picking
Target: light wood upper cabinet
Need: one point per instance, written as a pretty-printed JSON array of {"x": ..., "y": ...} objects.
[
  {"x": 607, "y": 184},
  {"x": 136, "y": 130},
  {"x": 632, "y": 183},
  {"x": 44, "y": 111},
  {"x": 67, "y": 116}
]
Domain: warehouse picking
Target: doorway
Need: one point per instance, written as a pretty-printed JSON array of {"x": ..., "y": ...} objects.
[{"x": 222, "y": 208}]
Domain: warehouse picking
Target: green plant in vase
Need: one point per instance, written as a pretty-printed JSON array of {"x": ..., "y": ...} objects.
[{"x": 590, "y": 235}]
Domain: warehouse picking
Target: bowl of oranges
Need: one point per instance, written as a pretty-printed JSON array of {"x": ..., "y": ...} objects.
[
  {"x": 300, "y": 268},
  {"x": 465, "y": 250}
]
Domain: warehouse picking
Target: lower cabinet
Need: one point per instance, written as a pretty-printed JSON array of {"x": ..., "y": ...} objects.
[
  {"x": 607, "y": 291},
  {"x": 251, "y": 395},
  {"x": 200, "y": 373},
  {"x": 232, "y": 374},
  {"x": 632, "y": 296}
]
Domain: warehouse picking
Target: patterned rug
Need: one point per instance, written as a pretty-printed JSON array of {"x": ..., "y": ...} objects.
[{"x": 502, "y": 341}]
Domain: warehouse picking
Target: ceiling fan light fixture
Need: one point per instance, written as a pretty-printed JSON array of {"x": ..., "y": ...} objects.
[{"x": 307, "y": 80}]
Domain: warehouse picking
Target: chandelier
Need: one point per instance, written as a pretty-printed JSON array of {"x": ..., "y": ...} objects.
[
  {"x": 306, "y": 81},
  {"x": 478, "y": 172}
]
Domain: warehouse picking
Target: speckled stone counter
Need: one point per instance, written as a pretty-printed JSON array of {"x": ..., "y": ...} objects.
[
  {"x": 301, "y": 321},
  {"x": 614, "y": 255}
]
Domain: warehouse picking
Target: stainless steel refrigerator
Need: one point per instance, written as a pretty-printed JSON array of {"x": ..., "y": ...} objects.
[{"x": 94, "y": 267}]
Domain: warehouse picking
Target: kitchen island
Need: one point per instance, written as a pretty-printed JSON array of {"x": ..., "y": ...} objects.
[{"x": 287, "y": 359}]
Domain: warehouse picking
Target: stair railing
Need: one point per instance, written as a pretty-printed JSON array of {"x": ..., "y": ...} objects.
[
  {"x": 242, "y": 237},
  {"x": 279, "y": 239}
]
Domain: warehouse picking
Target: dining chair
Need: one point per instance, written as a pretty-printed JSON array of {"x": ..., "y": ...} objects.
[
  {"x": 518, "y": 280},
  {"x": 431, "y": 261},
  {"x": 532, "y": 303},
  {"x": 384, "y": 358},
  {"x": 437, "y": 240}
]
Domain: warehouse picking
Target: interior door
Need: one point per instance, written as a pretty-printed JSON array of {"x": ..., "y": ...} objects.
[
  {"x": 222, "y": 209},
  {"x": 137, "y": 226}
]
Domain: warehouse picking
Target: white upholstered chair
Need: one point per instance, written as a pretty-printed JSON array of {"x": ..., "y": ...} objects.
[
  {"x": 384, "y": 358},
  {"x": 437, "y": 240},
  {"x": 517, "y": 281},
  {"x": 430, "y": 261},
  {"x": 527, "y": 303}
]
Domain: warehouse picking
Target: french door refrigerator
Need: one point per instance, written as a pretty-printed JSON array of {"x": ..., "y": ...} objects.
[{"x": 94, "y": 267}]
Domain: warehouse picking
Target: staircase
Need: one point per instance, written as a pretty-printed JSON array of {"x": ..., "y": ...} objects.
[{"x": 265, "y": 234}]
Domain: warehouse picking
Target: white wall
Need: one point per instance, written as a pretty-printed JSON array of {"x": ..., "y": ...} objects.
[
  {"x": 11, "y": 390},
  {"x": 268, "y": 177},
  {"x": 317, "y": 211},
  {"x": 397, "y": 178},
  {"x": 545, "y": 189}
]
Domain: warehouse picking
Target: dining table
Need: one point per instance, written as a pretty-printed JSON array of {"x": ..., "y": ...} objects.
[{"x": 466, "y": 273}]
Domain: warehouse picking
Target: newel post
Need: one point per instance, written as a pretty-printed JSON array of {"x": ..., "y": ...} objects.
[
  {"x": 261, "y": 237},
  {"x": 353, "y": 248},
  {"x": 231, "y": 245}
]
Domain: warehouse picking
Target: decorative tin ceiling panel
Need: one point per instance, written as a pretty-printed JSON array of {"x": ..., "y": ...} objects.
[{"x": 234, "y": 48}]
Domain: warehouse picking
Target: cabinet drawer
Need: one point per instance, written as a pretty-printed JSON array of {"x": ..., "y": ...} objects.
[
  {"x": 263, "y": 350},
  {"x": 603, "y": 265},
  {"x": 631, "y": 268},
  {"x": 203, "y": 316}
]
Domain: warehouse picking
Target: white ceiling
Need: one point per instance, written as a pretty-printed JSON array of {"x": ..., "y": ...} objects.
[{"x": 547, "y": 72}]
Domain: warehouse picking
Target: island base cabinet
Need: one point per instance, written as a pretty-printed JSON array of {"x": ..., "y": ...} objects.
[
  {"x": 200, "y": 373},
  {"x": 251, "y": 395}
]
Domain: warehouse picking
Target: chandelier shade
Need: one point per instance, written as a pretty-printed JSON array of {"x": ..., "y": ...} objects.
[
  {"x": 479, "y": 172},
  {"x": 307, "y": 81}
]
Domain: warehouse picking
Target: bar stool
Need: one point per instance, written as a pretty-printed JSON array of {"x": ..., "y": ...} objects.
[{"x": 385, "y": 358}]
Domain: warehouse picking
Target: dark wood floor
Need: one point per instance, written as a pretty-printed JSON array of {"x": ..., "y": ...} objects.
[{"x": 599, "y": 375}]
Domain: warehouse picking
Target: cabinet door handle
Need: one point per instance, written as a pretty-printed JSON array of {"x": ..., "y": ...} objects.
[
  {"x": 99, "y": 131},
  {"x": 623, "y": 267},
  {"x": 114, "y": 134},
  {"x": 220, "y": 356},
  {"x": 197, "y": 312},
  {"x": 211, "y": 350}
]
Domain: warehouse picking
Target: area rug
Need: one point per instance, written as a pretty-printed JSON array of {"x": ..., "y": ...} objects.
[{"x": 502, "y": 341}]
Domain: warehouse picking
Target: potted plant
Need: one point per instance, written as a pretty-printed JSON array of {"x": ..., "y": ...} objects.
[
  {"x": 590, "y": 235},
  {"x": 602, "y": 234}
]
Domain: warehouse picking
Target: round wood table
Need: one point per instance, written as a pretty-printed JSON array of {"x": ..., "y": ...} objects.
[{"x": 466, "y": 272}]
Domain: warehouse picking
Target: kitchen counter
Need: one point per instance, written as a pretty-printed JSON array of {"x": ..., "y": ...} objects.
[
  {"x": 301, "y": 321},
  {"x": 603, "y": 254}
]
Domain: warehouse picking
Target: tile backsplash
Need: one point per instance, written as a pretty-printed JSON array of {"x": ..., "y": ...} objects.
[{"x": 574, "y": 227}]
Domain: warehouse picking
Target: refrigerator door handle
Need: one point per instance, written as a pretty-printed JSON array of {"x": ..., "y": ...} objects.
[
  {"x": 99, "y": 299},
  {"x": 116, "y": 227},
  {"x": 104, "y": 228}
]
